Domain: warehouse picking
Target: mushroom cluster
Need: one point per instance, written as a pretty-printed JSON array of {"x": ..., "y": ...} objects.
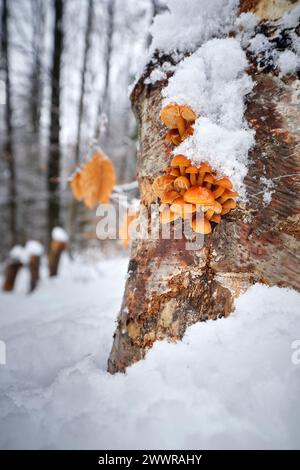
[
  {"x": 184, "y": 190},
  {"x": 179, "y": 120}
]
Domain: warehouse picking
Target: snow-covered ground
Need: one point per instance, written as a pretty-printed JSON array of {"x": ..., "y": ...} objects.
[{"x": 231, "y": 383}]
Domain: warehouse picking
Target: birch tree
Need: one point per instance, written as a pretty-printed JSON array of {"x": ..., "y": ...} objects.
[{"x": 169, "y": 287}]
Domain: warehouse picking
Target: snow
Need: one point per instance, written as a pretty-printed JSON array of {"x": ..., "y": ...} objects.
[
  {"x": 18, "y": 253},
  {"x": 268, "y": 189},
  {"x": 59, "y": 234},
  {"x": 183, "y": 28},
  {"x": 34, "y": 248},
  {"x": 217, "y": 94},
  {"x": 231, "y": 383},
  {"x": 288, "y": 62},
  {"x": 291, "y": 18}
]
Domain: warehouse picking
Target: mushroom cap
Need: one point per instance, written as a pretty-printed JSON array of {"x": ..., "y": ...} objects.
[
  {"x": 227, "y": 195},
  {"x": 162, "y": 183},
  {"x": 188, "y": 132},
  {"x": 169, "y": 114},
  {"x": 169, "y": 196},
  {"x": 182, "y": 182},
  {"x": 205, "y": 168},
  {"x": 166, "y": 216},
  {"x": 216, "y": 218},
  {"x": 175, "y": 172},
  {"x": 199, "y": 195},
  {"x": 209, "y": 178},
  {"x": 170, "y": 135},
  {"x": 180, "y": 160},
  {"x": 201, "y": 225},
  {"x": 228, "y": 205},
  {"x": 187, "y": 113},
  {"x": 191, "y": 169},
  {"x": 224, "y": 182},
  {"x": 180, "y": 207},
  {"x": 216, "y": 207}
]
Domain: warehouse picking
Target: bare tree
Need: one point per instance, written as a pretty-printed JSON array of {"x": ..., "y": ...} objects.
[
  {"x": 170, "y": 287},
  {"x": 8, "y": 140},
  {"x": 87, "y": 45},
  {"x": 38, "y": 25},
  {"x": 103, "y": 106},
  {"x": 54, "y": 153}
]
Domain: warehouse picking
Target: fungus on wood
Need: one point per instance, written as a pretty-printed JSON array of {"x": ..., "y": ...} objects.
[{"x": 170, "y": 287}]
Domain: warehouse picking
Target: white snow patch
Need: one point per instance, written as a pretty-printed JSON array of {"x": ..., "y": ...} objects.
[
  {"x": 291, "y": 19},
  {"x": 269, "y": 189},
  {"x": 288, "y": 62},
  {"x": 59, "y": 234},
  {"x": 186, "y": 26},
  {"x": 34, "y": 248},
  {"x": 19, "y": 253},
  {"x": 216, "y": 92},
  {"x": 231, "y": 383}
]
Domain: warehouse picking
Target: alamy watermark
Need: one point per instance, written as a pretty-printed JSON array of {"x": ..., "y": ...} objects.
[
  {"x": 147, "y": 224},
  {"x": 2, "y": 353},
  {"x": 295, "y": 358}
]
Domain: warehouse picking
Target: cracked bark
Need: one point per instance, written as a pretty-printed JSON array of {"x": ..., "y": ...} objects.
[{"x": 169, "y": 287}]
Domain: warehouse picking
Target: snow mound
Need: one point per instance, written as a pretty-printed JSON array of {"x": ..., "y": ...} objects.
[
  {"x": 183, "y": 28},
  {"x": 59, "y": 234},
  {"x": 213, "y": 82},
  {"x": 34, "y": 248},
  {"x": 231, "y": 383}
]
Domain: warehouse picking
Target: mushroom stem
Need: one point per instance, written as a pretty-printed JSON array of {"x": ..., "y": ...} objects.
[
  {"x": 182, "y": 170},
  {"x": 200, "y": 178},
  {"x": 181, "y": 125},
  {"x": 218, "y": 192},
  {"x": 193, "y": 179}
]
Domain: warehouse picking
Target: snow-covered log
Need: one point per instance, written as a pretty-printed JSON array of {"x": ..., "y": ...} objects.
[{"x": 169, "y": 287}]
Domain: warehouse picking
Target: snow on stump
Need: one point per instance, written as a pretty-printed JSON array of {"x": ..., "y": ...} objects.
[
  {"x": 58, "y": 245},
  {"x": 34, "y": 251}
]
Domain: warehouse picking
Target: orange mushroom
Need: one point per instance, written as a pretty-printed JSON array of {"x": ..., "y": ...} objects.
[
  {"x": 163, "y": 183},
  {"x": 199, "y": 195},
  {"x": 216, "y": 218},
  {"x": 203, "y": 168},
  {"x": 228, "y": 205},
  {"x": 181, "y": 162},
  {"x": 180, "y": 207},
  {"x": 181, "y": 184},
  {"x": 227, "y": 195},
  {"x": 201, "y": 225},
  {"x": 177, "y": 117},
  {"x": 193, "y": 172},
  {"x": 169, "y": 196}
]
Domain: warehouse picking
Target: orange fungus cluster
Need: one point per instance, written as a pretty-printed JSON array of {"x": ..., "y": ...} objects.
[{"x": 185, "y": 190}]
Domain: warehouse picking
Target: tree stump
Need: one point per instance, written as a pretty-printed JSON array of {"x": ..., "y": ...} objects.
[
  {"x": 169, "y": 287},
  {"x": 11, "y": 273}
]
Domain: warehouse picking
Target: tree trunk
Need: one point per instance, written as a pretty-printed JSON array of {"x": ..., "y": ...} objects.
[
  {"x": 54, "y": 154},
  {"x": 8, "y": 141},
  {"x": 170, "y": 287},
  {"x": 87, "y": 45},
  {"x": 104, "y": 101}
]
